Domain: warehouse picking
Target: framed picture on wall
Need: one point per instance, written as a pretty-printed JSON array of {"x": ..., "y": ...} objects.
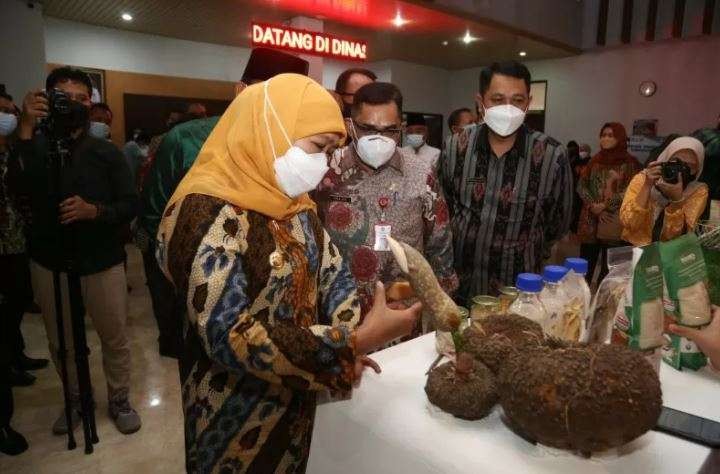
[
  {"x": 97, "y": 77},
  {"x": 535, "y": 117}
]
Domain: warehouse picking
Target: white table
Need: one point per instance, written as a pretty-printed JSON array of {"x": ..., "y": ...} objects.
[{"x": 389, "y": 427}]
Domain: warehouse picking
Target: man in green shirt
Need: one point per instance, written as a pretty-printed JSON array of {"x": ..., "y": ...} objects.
[{"x": 174, "y": 157}]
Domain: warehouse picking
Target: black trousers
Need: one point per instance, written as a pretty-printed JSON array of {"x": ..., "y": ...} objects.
[
  {"x": 15, "y": 294},
  {"x": 169, "y": 310}
]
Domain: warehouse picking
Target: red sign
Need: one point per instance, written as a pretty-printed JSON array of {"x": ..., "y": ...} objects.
[{"x": 307, "y": 42}]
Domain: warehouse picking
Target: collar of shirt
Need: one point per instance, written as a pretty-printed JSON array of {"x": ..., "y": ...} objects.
[
  {"x": 396, "y": 162},
  {"x": 483, "y": 141}
]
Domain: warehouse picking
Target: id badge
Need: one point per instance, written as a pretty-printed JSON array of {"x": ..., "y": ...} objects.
[{"x": 382, "y": 232}]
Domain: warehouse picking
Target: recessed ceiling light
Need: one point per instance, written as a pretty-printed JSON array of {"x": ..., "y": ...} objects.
[
  {"x": 468, "y": 38},
  {"x": 522, "y": 53},
  {"x": 126, "y": 17},
  {"x": 445, "y": 43},
  {"x": 399, "y": 20}
]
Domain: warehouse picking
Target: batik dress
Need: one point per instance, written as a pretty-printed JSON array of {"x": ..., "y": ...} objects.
[{"x": 270, "y": 311}]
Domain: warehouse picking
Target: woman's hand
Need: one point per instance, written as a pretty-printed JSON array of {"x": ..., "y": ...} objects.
[
  {"x": 707, "y": 339},
  {"x": 598, "y": 208},
  {"x": 383, "y": 325},
  {"x": 361, "y": 363},
  {"x": 673, "y": 192},
  {"x": 605, "y": 217},
  {"x": 653, "y": 173}
]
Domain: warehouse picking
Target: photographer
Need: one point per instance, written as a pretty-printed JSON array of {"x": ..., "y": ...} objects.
[
  {"x": 96, "y": 198},
  {"x": 666, "y": 200}
]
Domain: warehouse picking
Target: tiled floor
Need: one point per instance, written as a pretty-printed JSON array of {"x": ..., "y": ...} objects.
[{"x": 155, "y": 394}]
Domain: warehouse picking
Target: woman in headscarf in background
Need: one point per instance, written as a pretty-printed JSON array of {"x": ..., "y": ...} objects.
[
  {"x": 660, "y": 206},
  {"x": 271, "y": 306},
  {"x": 601, "y": 187}
]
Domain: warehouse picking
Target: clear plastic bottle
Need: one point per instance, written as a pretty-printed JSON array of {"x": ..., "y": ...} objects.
[
  {"x": 528, "y": 303},
  {"x": 578, "y": 291},
  {"x": 555, "y": 300}
]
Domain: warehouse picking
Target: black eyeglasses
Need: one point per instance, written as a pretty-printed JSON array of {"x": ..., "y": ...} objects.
[{"x": 363, "y": 129}]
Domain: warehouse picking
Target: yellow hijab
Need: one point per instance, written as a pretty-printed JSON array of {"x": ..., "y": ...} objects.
[{"x": 236, "y": 162}]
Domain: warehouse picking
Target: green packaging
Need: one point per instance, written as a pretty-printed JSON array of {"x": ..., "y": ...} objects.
[
  {"x": 681, "y": 353},
  {"x": 641, "y": 325},
  {"x": 688, "y": 300}
]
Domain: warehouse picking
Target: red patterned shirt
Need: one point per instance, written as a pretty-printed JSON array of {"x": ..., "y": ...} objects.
[{"x": 349, "y": 204}]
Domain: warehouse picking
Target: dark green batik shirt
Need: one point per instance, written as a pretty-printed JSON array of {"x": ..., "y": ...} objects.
[{"x": 173, "y": 159}]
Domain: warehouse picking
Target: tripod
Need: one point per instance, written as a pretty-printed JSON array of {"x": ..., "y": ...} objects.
[{"x": 59, "y": 158}]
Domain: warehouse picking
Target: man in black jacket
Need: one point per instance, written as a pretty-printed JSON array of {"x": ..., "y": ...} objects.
[{"x": 97, "y": 198}]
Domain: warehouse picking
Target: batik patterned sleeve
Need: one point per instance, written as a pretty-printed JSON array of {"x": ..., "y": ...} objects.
[
  {"x": 628, "y": 172},
  {"x": 446, "y": 172},
  {"x": 339, "y": 304},
  {"x": 560, "y": 199},
  {"x": 636, "y": 220},
  {"x": 438, "y": 235},
  {"x": 272, "y": 347}
]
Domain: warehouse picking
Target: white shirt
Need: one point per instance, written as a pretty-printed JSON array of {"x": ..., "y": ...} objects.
[{"x": 425, "y": 152}]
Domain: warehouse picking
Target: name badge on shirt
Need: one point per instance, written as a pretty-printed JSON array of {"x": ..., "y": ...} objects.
[
  {"x": 382, "y": 232},
  {"x": 715, "y": 210},
  {"x": 340, "y": 198}
]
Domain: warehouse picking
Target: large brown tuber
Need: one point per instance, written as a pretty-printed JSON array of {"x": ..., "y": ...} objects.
[
  {"x": 436, "y": 302},
  {"x": 465, "y": 389},
  {"x": 494, "y": 337},
  {"x": 582, "y": 397}
]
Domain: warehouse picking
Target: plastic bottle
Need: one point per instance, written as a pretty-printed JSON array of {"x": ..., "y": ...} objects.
[
  {"x": 528, "y": 303},
  {"x": 555, "y": 300},
  {"x": 578, "y": 291}
]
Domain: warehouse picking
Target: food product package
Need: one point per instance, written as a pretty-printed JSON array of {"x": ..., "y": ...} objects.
[
  {"x": 688, "y": 300},
  {"x": 609, "y": 294},
  {"x": 681, "y": 353},
  {"x": 640, "y": 326},
  {"x": 712, "y": 261}
]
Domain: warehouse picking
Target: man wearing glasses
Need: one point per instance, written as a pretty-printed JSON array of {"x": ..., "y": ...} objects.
[
  {"x": 375, "y": 189},
  {"x": 97, "y": 199}
]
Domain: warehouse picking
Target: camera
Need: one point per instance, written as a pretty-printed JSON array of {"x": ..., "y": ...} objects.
[
  {"x": 64, "y": 114},
  {"x": 671, "y": 170}
]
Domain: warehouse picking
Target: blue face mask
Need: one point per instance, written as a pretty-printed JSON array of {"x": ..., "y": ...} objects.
[{"x": 99, "y": 130}]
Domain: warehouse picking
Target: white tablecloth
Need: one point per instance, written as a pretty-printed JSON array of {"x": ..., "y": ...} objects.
[{"x": 389, "y": 427}]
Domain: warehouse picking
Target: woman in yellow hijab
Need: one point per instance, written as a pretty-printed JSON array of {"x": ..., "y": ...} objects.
[{"x": 271, "y": 306}]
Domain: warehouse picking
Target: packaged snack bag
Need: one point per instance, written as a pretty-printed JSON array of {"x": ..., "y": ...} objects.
[
  {"x": 680, "y": 353},
  {"x": 688, "y": 301},
  {"x": 640, "y": 326},
  {"x": 609, "y": 296}
]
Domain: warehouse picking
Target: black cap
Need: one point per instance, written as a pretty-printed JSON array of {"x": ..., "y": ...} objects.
[
  {"x": 265, "y": 63},
  {"x": 415, "y": 119}
]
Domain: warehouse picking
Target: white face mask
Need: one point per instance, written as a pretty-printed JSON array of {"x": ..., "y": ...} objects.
[
  {"x": 415, "y": 140},
  {"x": 584, "y": 155},
  {"x": 8, "y": 124},
  {"x": 504, "y": 119},
  {"x": 99, "y": 130},
  {"x": 374, "y": 150},
  {"x": 297, "y": 172}
]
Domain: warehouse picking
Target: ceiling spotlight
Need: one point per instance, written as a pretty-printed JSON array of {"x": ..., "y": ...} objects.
[
  {"x": 126, "y": 17},
  {"x": 445, "y": 43},
  {"x": 522, "y": 53},
  {"x": 468, "y": 38},
  {"x": 399, "y": 20}
]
